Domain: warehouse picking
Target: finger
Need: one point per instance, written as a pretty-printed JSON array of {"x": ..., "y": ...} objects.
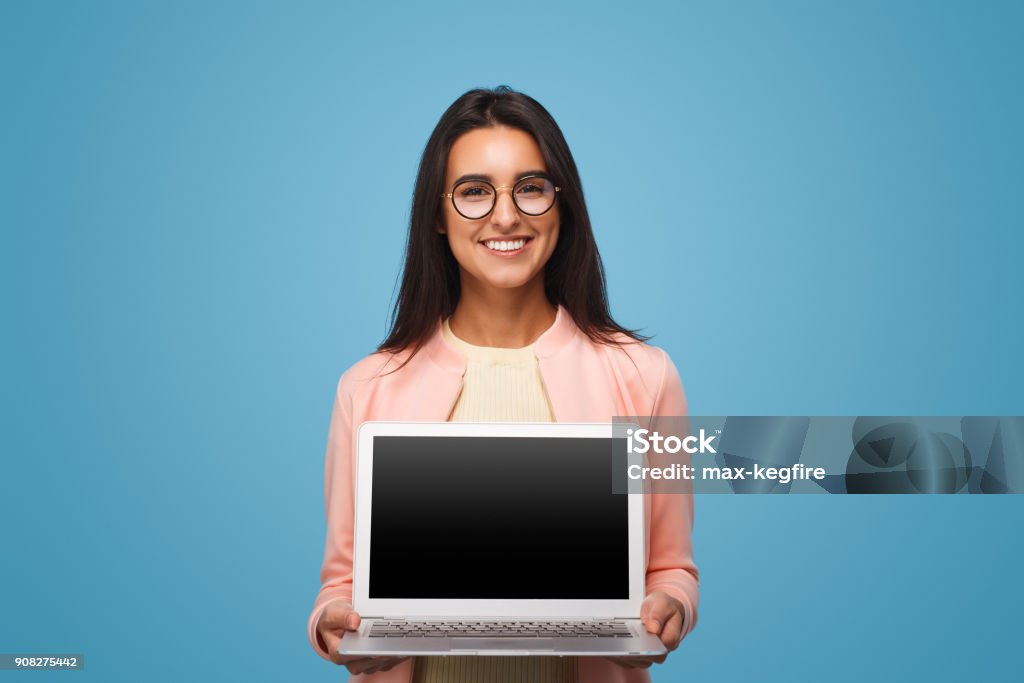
[
  {"x": 336, "y": 615},
  {"x": 336, "y": 619},
  {"x": 648, "y": 612},
  {"x": 395, "y": 662},
  {"x": 369, "y": 665},
  {"x": 659, "y": 610},
  {"x": 358, "y": 665},
  {"x": 620, "y": 661},
  {"x": 384, "y": 664},
  {"x": 654, "y": 625},
  {"x": 331, "y": 641},
  {"x": 632, "y": 662},
  {"x": 646, "y": 606},
  {"x": 673, "y": 631},
  {"x": 347, "y": 622},
  {"x": 352, "y": 621}
]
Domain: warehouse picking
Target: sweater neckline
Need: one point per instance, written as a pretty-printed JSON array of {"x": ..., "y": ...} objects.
[
  {"x": 548, "y": 345},
  {"x": 488, "y": 354}
]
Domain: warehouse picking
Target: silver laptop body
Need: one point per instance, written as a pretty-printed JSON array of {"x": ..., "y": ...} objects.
[{"x": 495, "y": 539}]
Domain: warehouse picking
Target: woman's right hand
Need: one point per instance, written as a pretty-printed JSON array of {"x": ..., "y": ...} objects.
[{"x": 337, "y": 618}]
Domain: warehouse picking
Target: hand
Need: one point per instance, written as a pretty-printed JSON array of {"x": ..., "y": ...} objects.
[
  {"x": 337, "y": 618},
  {"x": 663, "y": 616}
]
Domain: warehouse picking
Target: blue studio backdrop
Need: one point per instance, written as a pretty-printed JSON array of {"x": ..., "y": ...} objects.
[{"x": 814, "y": 207}]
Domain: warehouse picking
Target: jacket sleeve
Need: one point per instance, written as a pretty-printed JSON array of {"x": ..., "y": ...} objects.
[
  {"x": 670, "y": 566},
  {"x": 339, "y": 501}
]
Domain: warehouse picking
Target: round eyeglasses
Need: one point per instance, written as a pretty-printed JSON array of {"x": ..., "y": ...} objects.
[{"x": 532, "y": 195}]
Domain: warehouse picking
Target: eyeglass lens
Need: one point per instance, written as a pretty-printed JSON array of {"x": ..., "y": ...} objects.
[{"x": 476, "y": 198}]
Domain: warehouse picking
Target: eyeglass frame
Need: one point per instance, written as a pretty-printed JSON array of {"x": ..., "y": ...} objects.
[{"x": 494, "y": 202}]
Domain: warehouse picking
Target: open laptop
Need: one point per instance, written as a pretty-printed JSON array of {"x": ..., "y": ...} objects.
[{"x": 495, "y": 539}]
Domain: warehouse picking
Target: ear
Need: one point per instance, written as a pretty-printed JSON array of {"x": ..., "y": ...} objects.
[{"x": 440, "y": 229}]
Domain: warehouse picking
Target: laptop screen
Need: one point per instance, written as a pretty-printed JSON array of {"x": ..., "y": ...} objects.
[{"x": 496, "y": 518}]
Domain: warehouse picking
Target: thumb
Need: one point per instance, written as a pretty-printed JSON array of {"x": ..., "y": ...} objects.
[
  {"x": 352, "y": 621},
  {"x": 653, "y": 613}
]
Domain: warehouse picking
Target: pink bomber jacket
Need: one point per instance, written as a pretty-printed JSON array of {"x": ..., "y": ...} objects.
[{"x": 585, "y": 382}]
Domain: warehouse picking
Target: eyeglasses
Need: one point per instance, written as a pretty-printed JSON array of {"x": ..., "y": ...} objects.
[{"x": 533, "y": 195}]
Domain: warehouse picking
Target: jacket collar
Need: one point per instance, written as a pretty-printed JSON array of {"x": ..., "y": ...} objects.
[{"x": 553, "y": 340}]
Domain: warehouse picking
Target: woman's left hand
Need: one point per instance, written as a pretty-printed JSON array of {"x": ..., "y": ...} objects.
[{"x": 663, "y": 616}]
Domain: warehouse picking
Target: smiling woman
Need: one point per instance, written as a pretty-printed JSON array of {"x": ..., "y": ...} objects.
[
  {"x": 500, "y": 249},
  {"x": 503, "y": 316}
]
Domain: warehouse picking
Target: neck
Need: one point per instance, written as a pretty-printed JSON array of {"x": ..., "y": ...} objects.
[{"x": 503, "y": 318}]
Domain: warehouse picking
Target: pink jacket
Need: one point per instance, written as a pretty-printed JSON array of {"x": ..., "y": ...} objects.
[{"x": 585, "y": 382}]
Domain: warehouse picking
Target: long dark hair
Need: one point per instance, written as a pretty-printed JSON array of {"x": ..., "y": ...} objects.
[{"x": 573, "y": 276}]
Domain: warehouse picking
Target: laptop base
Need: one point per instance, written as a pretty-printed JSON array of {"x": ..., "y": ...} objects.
[{"x": 638, "y": 643}]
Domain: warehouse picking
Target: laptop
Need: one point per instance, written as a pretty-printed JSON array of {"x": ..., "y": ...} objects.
[{"x": 495, "y": 539}]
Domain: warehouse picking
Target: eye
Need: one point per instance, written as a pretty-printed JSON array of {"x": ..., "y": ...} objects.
[
  {"x": 534, "y": 188},
  {"x": 473, "y": 191}
]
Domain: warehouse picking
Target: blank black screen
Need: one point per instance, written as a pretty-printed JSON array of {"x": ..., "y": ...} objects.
[{"x": 496, "y": 518}]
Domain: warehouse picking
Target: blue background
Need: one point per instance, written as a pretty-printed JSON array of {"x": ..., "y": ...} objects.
[{"x": 814, "y": 206}]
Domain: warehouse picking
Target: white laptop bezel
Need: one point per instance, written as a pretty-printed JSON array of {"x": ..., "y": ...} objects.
[{"x": 391, "y": 608}]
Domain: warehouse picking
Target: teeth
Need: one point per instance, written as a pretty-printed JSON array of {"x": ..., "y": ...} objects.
[{"x": 504, "y": 245}]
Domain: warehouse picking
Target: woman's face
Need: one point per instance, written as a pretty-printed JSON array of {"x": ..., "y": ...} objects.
[{"x": 505, "y": 155}]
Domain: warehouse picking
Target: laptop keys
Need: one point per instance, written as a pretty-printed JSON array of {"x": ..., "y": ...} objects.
[{"x": 492, "y": 629}]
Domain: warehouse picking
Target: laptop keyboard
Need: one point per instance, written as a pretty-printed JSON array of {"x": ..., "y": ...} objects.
[{"x": 496, "y": 629}]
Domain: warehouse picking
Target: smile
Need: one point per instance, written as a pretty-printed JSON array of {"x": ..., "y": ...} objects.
[{"x": 506, "y": 248}]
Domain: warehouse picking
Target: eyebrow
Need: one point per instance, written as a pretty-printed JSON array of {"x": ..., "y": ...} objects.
[{"x": 490, "y": 179}]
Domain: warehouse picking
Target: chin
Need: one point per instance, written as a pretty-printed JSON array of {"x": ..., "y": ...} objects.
[
  {"x": 507, "y": 280},
  {"x": 508, "y": 284}
]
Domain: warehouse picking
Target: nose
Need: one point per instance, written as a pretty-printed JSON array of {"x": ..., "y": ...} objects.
[{"x": 505, "y": 215}]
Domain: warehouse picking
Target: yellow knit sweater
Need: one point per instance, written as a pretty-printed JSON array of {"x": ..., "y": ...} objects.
[{"x": 500, "y": 385}]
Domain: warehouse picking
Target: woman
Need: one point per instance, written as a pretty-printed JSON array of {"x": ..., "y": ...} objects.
[{"x": 503, "y": 315}]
